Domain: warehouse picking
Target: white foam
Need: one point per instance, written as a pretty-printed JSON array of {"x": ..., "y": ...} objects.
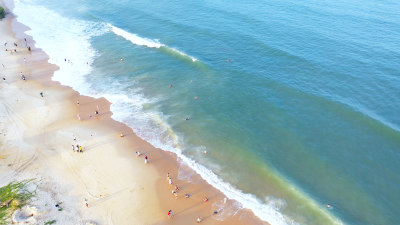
[
  {"x": 62, "y": 38},
  {"x": 135, "y": 39},
  {"x": 151, "y": 43}
]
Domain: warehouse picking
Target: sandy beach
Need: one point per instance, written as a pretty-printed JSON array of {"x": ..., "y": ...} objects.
[{"x": 38, "y": 133}]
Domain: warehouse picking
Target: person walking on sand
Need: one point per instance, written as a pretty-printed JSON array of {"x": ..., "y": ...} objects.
[
  {"x": 170, "y": 213},
  {"x": 41, "y": 94},
  {"x": 86, "y": 203},
  {"x": 199, "y": 220},
  {"x": 170, "y": 181},
  {"x": 73, "y": 148},
  {"x": 145, "y": 159}
]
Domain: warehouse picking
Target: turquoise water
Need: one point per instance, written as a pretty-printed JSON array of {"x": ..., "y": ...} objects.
[{"x": 298, "y": 102}]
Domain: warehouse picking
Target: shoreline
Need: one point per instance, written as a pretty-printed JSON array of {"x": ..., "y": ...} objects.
[{"x": 160, "y": 162}]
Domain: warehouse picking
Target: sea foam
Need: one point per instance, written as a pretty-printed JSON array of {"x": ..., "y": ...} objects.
[
  {"x": 137, "y": 40},
  {"x": 65, "y": 38}
]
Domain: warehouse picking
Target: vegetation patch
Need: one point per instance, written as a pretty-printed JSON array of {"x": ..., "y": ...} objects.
[
  {"x": 50, "y": 222},
  {"x": 2, "y": 13},
  {"x": 13, "y": 196}
]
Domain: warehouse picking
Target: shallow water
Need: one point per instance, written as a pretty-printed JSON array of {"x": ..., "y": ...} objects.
[{"x": 297, "y": 101}]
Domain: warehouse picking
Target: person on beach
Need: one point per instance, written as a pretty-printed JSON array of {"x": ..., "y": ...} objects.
[
  {"x": 96, "y": 112},
  {"x": 145, "y": 159},
  {"x": 29, "y": 48},
  {"x": 187, "y": 195},
  {"x": 73, "y": 148},
  {"x": 168, "y": 176},
  {"x": 80, "y": 149},
  {"x": 86, "y": 203},
  {"x": 170, "y": 213},
  {"x": 174, "y": 193},
  {"x": 199, "y": 220},
  {"x": 170, "y": 181},
  {"x": 41, "y": 94},
  {"x": 205, "y": 199},
  {"x": 79, "y": 117}
]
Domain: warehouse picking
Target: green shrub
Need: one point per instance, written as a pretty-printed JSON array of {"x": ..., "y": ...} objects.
[
  {"x": 50, "y": 222},
  {"x": 2, "y": 13},
  {"x": 13, "y": 196}
]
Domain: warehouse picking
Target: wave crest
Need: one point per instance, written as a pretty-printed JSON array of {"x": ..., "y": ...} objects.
[{"x": 151, "y": 43}]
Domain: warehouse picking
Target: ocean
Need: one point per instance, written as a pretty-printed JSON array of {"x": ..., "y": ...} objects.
[{"x": 296, "y": 102}]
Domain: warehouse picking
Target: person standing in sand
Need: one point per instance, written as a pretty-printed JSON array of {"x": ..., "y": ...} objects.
[
  {"x": 145, "y": 159},
  {"x": 174, "y": 193},
  {"x": 170, "y": 213},
  {"x": 86, "y": 203}
]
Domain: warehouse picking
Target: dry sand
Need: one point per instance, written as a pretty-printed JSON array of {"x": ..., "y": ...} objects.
[{"x": 37, "y": 134}]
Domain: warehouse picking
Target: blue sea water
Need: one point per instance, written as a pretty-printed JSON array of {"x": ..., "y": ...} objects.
[{"x": 297, "y": 101}]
